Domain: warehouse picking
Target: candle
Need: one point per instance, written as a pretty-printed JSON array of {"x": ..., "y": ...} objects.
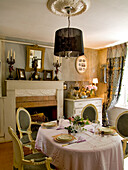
[
  {"x": 8, "y": 55},
  {"x": 14, "y": 55},
  {"x": 11, "y": 52}
]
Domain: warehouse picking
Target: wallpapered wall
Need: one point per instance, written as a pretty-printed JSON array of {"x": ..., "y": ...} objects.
[{"x": 67, "y": 71}]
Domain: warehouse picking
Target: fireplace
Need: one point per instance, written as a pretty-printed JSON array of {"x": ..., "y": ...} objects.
[
  {"x": 39, "y": 104},
  {"x": 45, "y": 93}
]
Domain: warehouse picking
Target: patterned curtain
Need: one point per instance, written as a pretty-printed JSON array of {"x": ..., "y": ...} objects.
[{"x": 115, "y": 65}]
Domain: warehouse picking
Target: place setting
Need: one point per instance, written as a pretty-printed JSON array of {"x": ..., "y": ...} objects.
[{"x": 48, "y": 125}]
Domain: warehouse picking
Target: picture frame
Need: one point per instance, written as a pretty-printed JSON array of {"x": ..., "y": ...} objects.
[
  {"x": 20, "y": 74},
  {"x": 81, "y": 64},
  {"x": 35, "y": 52},
  {"x": 48, "y": 75}
]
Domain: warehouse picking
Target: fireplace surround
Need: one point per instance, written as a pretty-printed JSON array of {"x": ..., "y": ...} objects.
[{"x": 50, "y": 91}]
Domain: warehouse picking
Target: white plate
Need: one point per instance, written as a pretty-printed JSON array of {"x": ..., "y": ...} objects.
[{"x": 49, "y": 124}]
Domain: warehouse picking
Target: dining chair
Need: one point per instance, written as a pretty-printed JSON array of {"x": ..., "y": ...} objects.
[
  {"x": 89, "y": 112},
  {"x": 23, "y": 120},
  {"x": 35, "y": 161},
  {"x": 122, "y": 130}
]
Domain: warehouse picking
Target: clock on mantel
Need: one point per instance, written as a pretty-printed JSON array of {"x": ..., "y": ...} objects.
[{"x": 81, "y": 64}]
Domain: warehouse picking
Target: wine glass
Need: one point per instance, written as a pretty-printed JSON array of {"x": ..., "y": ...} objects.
[
  {"x": 94, "y": 124},
  {"x": 61, "y": 119}
]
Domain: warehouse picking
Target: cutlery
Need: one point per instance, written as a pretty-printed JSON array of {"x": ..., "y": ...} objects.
[{"x": 78, "y": 141}]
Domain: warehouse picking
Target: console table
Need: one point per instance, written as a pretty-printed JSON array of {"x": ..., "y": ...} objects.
[{"x": 74, "y": 107}]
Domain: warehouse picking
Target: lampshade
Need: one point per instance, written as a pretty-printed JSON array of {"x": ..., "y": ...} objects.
[
  {"x": 68, "y": 42},
  {"x": 95, "y": 80}
]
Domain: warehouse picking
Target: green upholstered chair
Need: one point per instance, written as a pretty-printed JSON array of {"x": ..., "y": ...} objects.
[
  {"x": 23, "y": 120},
  {"x": 122, "y": 129},
  {"x": 90, "y": 112},
  {"x": 35, "y": 161}
]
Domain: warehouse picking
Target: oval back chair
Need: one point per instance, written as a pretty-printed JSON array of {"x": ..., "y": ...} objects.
[
  {"x": 35, "y": 161},
  {"x": 122, "y": 129},
  {"x": 23, "y": 120},
  {"x": 89, "y": 112}
]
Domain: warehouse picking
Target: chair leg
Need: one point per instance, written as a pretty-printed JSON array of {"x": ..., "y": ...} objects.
[{"x": 48, "y": 161}]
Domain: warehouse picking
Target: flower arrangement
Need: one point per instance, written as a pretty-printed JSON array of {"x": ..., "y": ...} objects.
[
  {"x": 91, "y": 87},
  {"x": 77, "y": 120}
]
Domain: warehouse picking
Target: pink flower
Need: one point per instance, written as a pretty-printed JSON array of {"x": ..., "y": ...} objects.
[{"x": 90, "y": 87}]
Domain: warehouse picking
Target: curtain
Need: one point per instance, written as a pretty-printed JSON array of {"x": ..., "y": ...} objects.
[{"x": 116, "y": 57}]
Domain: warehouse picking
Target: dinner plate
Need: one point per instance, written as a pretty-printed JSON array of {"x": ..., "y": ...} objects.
[
  {"x": 62, "y": 138},
  {"x": 49, "y": 124},
  {"x": 107, "y": 130}
]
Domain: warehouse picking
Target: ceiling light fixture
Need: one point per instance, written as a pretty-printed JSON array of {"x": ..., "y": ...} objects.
[{"x": 68, "y": 41}]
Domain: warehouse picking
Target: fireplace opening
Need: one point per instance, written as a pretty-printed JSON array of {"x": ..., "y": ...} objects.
[{"x": 50, "y": 111}]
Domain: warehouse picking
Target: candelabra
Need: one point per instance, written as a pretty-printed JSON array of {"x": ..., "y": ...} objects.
[
  {"x": 56, "y": 64},
  {"x": 11, "y": 61}
]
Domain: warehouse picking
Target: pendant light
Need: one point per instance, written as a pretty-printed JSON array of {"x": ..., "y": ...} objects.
[{"x": 68, "y": 41}]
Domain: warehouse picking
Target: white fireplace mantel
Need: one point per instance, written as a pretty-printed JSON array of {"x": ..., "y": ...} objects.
[{"x": 17, "y": 88}]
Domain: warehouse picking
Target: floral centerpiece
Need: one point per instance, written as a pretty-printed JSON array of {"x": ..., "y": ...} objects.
[
  {"x": 77, "y": 120},
  {"x": 91, "y": 90}
]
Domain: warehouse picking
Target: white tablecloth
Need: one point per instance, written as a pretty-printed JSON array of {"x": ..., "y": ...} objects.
[{"x": 96, "y": 153}]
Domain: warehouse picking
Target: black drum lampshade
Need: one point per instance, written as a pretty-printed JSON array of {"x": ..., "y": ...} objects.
[{"x": 68, "y": 42}]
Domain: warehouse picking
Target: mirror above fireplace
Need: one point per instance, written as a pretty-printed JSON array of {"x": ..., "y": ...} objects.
[{"x": 35, "y": 52}]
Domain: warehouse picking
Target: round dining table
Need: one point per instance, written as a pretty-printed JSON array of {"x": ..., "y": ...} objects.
[{"x": 96, "y": 152}]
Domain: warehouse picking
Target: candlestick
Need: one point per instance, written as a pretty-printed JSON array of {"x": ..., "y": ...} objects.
[
  {"x": 56, "y": 64},
  {"x": 10, "y": 61}
]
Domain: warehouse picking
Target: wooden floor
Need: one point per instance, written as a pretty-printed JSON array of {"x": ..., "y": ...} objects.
[{"x": 6, "y": 156}]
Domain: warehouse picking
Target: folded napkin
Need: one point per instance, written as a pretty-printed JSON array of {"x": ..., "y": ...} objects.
[
  {"x": 91, "y": 130},
  {"x": 59, "y": 128},
  {"x": 79, "y": 140}
]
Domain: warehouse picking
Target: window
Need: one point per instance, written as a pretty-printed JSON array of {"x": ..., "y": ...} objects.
[{"x": 123, "y": 100}]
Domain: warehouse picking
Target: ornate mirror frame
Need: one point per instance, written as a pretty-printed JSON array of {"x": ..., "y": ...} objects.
[{"x": 35, "y": 50}]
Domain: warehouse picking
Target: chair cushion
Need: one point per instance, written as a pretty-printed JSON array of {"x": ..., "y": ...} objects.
[
  {"x": 37, "y": 158},
  {"x": 126, "y": 151},
  {"x": 25, "y": 139},
  {"x": 122, "y": 125},
  {"x": 24, "y": 120}
]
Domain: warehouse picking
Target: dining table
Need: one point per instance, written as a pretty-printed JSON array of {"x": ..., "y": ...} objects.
[{"x": 94, "y": 152}]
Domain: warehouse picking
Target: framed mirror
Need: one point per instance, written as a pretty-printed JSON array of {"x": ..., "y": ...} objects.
[{"x": 32, "y": 53}]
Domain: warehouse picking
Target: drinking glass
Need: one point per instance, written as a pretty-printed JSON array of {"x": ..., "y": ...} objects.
[
  {"x": 61, "y": 119},
  {"x": 95, "y": 124}
]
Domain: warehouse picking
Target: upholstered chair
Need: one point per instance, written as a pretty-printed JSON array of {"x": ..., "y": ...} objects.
[
  {"x": 122, "y": 129},
  {"x": 23, "y": 120},
  {"x": 35, "y": 161},
  {"x": 90, "y": 112}
]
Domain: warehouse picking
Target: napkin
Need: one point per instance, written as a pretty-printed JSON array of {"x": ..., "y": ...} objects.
[
  {"x": 59, "y": 128},
  {"x": 79, "y": 140},
  {"x": 91, "y": 130}
]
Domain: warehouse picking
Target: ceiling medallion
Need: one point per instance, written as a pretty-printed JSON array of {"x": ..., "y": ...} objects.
[{"x": 58, "y": 7}]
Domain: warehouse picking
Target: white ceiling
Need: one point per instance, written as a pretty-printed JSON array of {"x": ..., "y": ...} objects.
[{"x": 105, "y": 23}]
